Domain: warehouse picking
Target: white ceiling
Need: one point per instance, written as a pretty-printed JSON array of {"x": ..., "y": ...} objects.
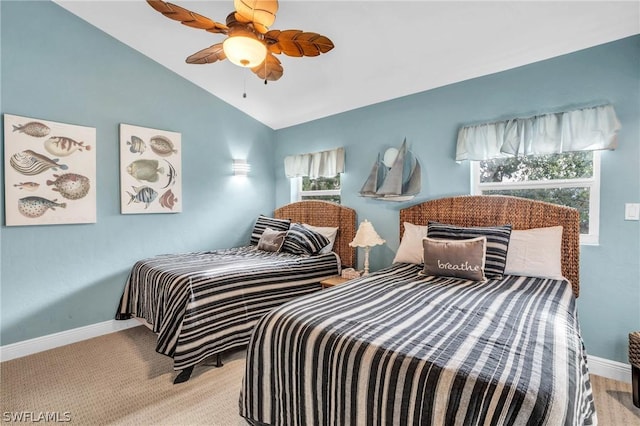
[{"x": 384, "y": 49}]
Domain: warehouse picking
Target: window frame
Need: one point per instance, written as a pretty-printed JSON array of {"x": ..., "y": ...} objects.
[
  {"x": 297, "y": 193},
  {"x": 593, "y": 183}
]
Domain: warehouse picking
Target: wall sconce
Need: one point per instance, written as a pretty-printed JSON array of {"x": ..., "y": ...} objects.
[{"x": 241, "y": 167}]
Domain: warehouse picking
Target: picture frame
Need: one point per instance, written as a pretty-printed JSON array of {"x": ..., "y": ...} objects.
[
  {"x": 150, "y": 170},
  {"x": 50, "y": 172}
]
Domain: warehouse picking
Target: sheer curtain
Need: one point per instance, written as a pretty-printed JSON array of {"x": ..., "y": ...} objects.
[
  {"x": 315, "y": 164},
  {"x": 586, "y": 129}
]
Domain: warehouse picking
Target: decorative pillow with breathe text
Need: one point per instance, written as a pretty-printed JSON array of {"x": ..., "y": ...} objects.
[
  {"x": 497, "y": 242},
  {"x": 455, "y": 258},
  {"x": 301, "y": 240},
  {"x": 271, "y": 240},
  {"x": 263, "y": 223}
]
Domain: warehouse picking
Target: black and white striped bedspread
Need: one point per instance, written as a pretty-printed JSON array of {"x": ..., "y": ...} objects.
[
  {"x": 204, "y": 303},
  {"x": 395, "y": 348}
]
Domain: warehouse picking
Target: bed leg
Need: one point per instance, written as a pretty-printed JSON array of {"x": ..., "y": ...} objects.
[
  {"x": 219, "y": 360},
  {"x": 184, "y": 375}
]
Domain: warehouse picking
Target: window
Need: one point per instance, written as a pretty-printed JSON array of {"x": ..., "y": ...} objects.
[
  {"x": 571, "y": 179},
  {"x": 321, "y": 188}
]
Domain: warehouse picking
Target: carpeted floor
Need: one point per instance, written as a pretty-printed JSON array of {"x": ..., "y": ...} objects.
[{"x": 119, "y": 379}]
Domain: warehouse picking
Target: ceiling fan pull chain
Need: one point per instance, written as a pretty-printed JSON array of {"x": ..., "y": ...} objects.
[
  {"x": 244, "y": 85},
  {"x": 265, "y": 71}
]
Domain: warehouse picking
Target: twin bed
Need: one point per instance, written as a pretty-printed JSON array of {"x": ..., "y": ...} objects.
[
  {"x": 399, "y": 346},
  {"x": 202, "y": 304}
]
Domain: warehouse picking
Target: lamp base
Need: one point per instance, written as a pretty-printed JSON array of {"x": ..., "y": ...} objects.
[{"x": 366, "y": 261}]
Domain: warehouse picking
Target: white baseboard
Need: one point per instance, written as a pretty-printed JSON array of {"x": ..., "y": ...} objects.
[
  {"x": 39, "y": 344},
  {"x": 600, "y": 366},
  {"x": 610, "y": 369}
]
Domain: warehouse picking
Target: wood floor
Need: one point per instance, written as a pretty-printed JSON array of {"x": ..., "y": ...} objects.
[{"x": 118, "y": 379}]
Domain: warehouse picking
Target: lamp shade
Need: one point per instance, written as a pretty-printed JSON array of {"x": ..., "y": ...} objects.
[
  {"x": 366, "y": 236},
  {"x": 244, "y": 50}
]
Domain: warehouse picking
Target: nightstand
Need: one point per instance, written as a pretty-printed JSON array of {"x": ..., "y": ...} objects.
[{"x": 333, "y": 281}]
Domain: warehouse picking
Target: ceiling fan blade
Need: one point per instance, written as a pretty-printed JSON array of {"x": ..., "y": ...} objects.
[
  {"x": 297, "y": 43},
  {"x": 208, "y": 56},
  {"x": 187, "y": 17},
  {"x": 271, "y": 69},
  {"x": 262, "y": 13}
]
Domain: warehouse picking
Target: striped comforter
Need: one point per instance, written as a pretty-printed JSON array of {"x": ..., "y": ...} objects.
[
  {"x": 204, "y": 303},
  {"x": 402, "y": 349}
]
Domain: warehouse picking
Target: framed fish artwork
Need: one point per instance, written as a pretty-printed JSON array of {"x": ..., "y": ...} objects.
[
  {"x": 50, "y": 172},
  {"x": 150, "y": 170}
]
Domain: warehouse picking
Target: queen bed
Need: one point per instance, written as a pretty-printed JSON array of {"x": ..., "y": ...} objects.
[
  {"x": 204, "y": 303},
  {"x": 405, "y": 345}
]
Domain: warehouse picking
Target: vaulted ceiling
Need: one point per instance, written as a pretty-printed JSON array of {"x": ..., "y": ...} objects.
[{"x": 383, "y": 49}]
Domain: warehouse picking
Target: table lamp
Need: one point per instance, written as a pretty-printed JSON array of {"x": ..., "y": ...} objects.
[{"x": 366, "y": 237}]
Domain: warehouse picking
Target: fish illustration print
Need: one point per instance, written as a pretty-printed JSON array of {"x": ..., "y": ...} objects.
[
  {"x": 162, "y": 146},
  {"x": 28, "y": 186},
  {"x": 168, "y": 200},
  {"x": 172, "y": 175},
  {"x": 70, "y": 185},
  {"x": 31, "y": 163},
  {"x": 63, "y": 146},
  {"x": 142, "y": 194},
  {"x": 33, "y": 207},
  {"x": 145, "y": 170},
  {"x": 33, "y": 128},
  {"x": 136, "y": 145}
]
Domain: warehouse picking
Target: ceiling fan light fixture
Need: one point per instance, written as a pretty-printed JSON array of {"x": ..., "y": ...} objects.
[{"x": 244, "y": 50}]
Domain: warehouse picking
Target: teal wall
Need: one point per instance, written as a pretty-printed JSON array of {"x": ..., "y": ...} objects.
[
  {"x": 59, "y": 68},
  {"x": 609, "y": 305}
]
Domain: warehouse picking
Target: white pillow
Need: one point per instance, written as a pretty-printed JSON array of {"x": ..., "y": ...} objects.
[
  {"x": 328, "y": 231},
  {"x": 411, "y": 250},
  {"x": 535, "y": 252}
]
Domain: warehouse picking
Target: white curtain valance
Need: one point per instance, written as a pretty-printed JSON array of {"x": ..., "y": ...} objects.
[
  {"x": 316, "y": 164},
  {"x": 586, "y": 129}
]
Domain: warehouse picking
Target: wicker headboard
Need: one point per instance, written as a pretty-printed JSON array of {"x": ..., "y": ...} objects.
[
  {"x": 324, "y": 213},
  {"x": 486, "y": 210}
]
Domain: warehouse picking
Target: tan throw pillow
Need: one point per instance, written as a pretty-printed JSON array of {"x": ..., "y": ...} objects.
[
  {"x": 271, "y": 240},
  {"x": 455, "y": 258},
  {"x": 535, "y": 252},
  {"x": 410, "y": 250}
]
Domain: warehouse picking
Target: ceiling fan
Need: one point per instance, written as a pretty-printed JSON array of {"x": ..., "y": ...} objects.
[{"x": 250, "y": 42}]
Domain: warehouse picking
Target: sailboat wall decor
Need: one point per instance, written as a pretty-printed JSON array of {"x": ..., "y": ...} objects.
[{"x": 401, "y": 181}]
